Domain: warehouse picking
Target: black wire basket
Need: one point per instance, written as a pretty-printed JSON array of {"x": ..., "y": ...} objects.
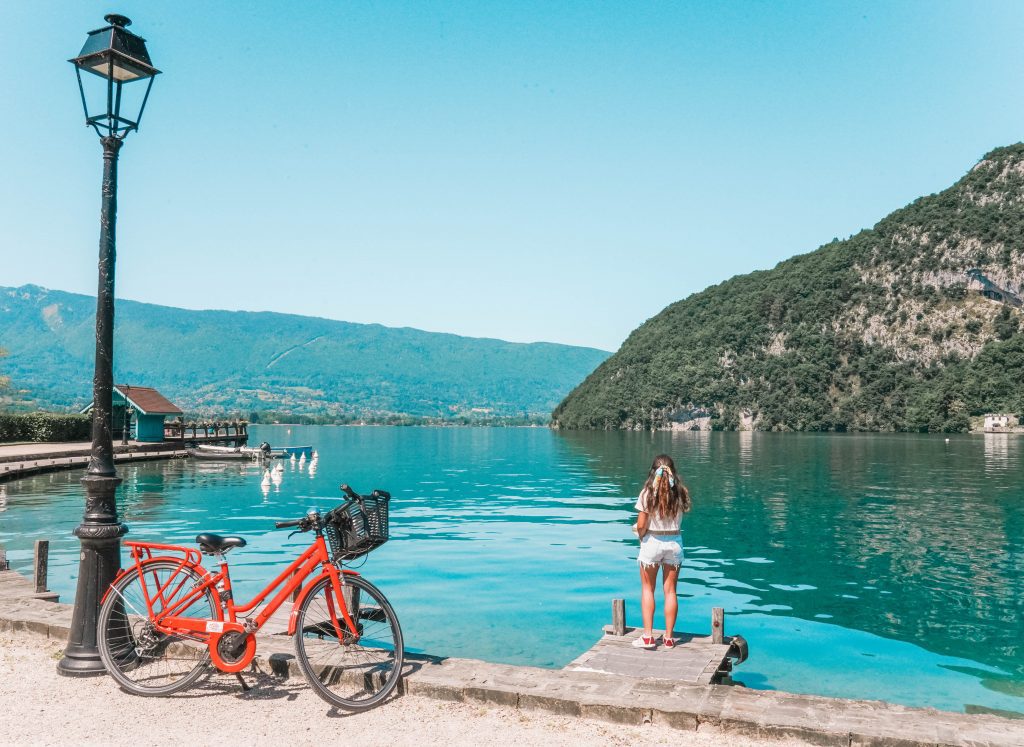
[{"x": 360, "y": 527}]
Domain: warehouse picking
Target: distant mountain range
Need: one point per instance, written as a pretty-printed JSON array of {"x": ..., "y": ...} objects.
[
  {"x": 914, "y": 324},
  {"x": 264, "y": 363}
]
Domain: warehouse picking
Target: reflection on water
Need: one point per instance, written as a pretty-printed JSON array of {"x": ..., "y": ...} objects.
[
  {"x": 1000, "y": 452},
  {"x": 883, "y": 566}
]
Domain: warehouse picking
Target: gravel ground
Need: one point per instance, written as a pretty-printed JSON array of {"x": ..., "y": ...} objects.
[{"x": 41, "y": 707}]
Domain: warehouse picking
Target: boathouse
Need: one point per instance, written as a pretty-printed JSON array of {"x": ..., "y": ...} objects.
[
  {"x": 142, "y": 410},
  {"x": 996, "y": 422}
]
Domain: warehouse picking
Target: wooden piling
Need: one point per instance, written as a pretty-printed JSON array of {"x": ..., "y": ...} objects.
[
  {"x": 717, "y": 625},
  {"x": 42, "y": 559},
  {"x": 618, "y": 617}
]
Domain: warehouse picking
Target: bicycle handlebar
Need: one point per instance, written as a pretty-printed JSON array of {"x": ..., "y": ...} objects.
[{"x": 305, "y": 522}]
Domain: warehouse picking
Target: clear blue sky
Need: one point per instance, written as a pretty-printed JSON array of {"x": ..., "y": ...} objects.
[{"x": 548, "y": 171}]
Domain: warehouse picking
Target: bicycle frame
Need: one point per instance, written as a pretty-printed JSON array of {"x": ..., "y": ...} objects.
[{"x": 168, "y": 620}]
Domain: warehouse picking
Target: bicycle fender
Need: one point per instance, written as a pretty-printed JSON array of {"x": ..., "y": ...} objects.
[{"x": 305, "y": 593}]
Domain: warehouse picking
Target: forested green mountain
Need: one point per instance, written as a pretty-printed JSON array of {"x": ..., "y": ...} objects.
[
  {"x": 911, "y": 325},
  {"x": 221, "y": 362}
]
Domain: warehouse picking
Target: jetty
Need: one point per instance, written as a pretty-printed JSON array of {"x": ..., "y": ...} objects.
[
  {"x": 14, "y": 586},
  {"x": 696, "y": 659},
  {"x": 24, "y": 460}
]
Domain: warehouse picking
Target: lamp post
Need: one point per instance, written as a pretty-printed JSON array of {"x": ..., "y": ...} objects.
[
  {"x": 126, "y": 432},
  {"x": 113, "y": 59}
]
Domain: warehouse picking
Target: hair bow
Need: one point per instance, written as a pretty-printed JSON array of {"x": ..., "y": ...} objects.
[{"x": 660, "y": 472}]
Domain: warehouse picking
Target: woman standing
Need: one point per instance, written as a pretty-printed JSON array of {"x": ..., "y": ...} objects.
[{"x": 661, "y": 505}]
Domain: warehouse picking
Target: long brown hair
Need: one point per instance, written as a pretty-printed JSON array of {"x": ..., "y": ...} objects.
[{"x": 664, "y": 493}]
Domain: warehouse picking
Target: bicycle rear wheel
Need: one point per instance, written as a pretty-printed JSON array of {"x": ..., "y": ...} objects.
[
  {"x": 141, "y": 659},
  {"x": 353, "y": 672}
]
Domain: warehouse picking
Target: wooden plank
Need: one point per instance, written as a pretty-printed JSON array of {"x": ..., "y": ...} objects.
[
  {"x": 696, "y": 659},
  {"x": 717, "y": 625},
  {"x": 618, "y": 617},
  {"x": 42, "y": 558}
]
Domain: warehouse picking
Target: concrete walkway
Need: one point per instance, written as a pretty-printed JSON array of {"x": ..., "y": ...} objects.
[
  {"x": 22, "y": 460},
  {"x": 627, "y": 700},
  {"x": 26, "y": 452}
]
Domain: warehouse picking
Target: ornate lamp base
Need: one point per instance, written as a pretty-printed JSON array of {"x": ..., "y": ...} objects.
[{"x": 100, "y": 534}]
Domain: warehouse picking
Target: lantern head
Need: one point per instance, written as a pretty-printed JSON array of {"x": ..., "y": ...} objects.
[{"x": 116, "y": 64}]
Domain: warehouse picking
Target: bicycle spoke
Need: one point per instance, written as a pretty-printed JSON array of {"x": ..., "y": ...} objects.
[
  {"x": 140, "y": 657},
  {"x": 355, "y": 671}
]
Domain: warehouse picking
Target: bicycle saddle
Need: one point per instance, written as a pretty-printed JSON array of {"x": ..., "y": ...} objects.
[{"x": 211, "y": 543}]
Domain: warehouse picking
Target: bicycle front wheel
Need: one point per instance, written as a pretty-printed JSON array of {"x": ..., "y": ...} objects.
[
  {"x": 354, "y": 672},
  {"x": 143, "y": 660}
]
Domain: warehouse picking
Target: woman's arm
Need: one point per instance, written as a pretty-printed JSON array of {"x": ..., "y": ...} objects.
[{"x": 642, "y": 522}]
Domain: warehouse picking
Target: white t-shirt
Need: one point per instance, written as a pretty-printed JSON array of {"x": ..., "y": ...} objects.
[{"x": 657, "y": 523}]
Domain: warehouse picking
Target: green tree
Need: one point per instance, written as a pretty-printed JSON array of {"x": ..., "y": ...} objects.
[{"x": 5, "y": 381}]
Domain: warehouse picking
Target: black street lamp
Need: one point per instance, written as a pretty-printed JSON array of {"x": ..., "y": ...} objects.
[
  {"x": 112, "y": 58},
  {"x": 126, "y": 431}
]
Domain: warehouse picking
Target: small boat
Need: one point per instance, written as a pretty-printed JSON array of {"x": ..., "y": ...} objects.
[
  {"x": 219, "y": 456},
  {"x": 296, "y": 450},
  {"x": 249, "y": 453}
]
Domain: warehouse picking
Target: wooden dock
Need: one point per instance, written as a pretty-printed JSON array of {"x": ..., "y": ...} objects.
[
  {"x": 695, "y": 659},
  {"x": 15, "y": 586},
  {"x": 14, "y": 469}
]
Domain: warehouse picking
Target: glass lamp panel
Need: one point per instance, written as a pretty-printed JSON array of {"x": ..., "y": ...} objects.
[
  {"x": 128, "y": 52},
  {"x": 122, "y": 70},
  {"x": 125, "y": 99}
]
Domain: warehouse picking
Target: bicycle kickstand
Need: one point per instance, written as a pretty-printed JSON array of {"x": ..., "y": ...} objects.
[{"x": 245, "y": 687}]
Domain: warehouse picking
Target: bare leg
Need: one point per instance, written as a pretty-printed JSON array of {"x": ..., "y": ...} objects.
[
  {"x": 648, "y": 577},
  {"x": 671, "y": 576}
]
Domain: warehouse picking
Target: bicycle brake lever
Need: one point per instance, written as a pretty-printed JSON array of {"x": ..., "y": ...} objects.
[{"x": 292, "y": 534}]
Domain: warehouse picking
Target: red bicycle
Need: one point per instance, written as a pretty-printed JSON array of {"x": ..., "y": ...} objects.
[{"x": 165, "y": 618}]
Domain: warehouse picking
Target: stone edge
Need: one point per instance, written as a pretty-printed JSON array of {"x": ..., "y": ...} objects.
[{"x": 817, "y": 720}]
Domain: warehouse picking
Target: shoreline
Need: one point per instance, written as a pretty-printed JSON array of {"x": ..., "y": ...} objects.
[
  {"x": 46, "y": 709},
  {"x": 636, "y": 702}
]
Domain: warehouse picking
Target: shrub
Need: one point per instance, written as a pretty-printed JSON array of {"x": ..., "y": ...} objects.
[{"x": 44, "y": 426}]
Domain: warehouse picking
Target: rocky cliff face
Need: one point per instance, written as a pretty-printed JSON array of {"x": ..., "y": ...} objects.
[{"x": 913, "y": 324}]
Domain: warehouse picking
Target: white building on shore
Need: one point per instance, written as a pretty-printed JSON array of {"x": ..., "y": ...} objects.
[{"x": 999, "y": 422}]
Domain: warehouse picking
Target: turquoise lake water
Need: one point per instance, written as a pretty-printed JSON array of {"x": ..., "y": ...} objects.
[{"x": 882, "y": 566}]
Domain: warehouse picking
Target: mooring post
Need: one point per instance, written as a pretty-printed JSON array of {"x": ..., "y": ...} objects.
[
  {"x": 3, "y": 559},
  {"x": 618, "y": 617},
  {"x": 41, "y": 562},
  {"x": 717, "y": 625}
]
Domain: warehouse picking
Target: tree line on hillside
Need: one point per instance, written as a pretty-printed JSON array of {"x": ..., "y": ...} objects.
[{"x": 786, "y": 348}]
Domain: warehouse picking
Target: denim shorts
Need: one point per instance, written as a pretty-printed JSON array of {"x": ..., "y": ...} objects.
[{"x": 661, "y": 549}]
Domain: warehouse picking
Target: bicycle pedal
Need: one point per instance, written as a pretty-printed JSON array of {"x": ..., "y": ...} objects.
[{"x": 245, "y": 687}]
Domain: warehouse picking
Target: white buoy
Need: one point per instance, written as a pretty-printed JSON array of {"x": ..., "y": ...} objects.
[
  {"x": 292, "y": 457},
  {"x": 316, "y": 454},
  {"x": 266, "y": 477},
  {"x": 278, "y": 467},
  {"x": 302, "y": 458}
]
